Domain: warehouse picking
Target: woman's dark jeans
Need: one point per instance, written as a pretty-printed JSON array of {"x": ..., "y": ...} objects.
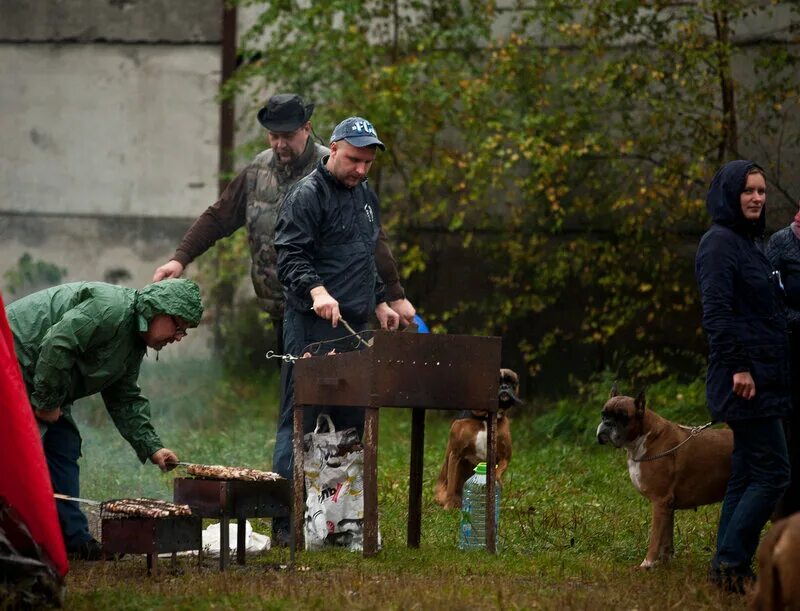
[{"x": 759, "y": 475}]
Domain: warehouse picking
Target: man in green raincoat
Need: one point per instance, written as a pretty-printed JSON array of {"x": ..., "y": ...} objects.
[{"x": 83, "y": 338}]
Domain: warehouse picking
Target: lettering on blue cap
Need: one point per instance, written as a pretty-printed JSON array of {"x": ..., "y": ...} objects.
[{"x": 363, "y": 126}]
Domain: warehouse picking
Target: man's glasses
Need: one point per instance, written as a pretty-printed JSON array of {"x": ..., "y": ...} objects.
[{"x": 181, "y": 328}]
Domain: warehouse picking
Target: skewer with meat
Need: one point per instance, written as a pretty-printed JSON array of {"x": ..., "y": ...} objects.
[
  {"x": 146, "y": 508},
  {"x": 231, "y": 473}
]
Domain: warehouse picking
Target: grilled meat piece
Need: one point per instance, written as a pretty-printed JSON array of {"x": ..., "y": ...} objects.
[
  {"x": 231, "y": 473},
  {"x": 145, "y": 508}
]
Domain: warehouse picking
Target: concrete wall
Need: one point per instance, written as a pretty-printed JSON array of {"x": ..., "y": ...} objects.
[
  {"x": 108, "y": 129},
  {"x": 91, "y": 21},
  {"x": 110, "y": 134}
]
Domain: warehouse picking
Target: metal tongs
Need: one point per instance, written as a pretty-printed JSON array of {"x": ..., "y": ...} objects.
[{"x": 347, "y": 326}]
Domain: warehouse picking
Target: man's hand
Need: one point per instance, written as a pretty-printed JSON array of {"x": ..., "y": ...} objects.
[
  {"x": 171, "y": 269},
  {"x": 388, "y": 318},
  {"x": 404, "y": 308},
  {"x": 325, "y": 306},
  {"x": 165, "y": 459},
  {"x": 743, "y": 385},
  {"x": 48, "y": 415}
]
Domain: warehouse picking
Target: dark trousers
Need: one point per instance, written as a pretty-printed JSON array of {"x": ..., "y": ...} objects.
[
  {"x": 277, "y": 325},
  {"x": 790, "y": 503},
  {"x": 759, "y": 476},
  {"x": 300, "y": 331},
  {"x": 62, "y": 448}
]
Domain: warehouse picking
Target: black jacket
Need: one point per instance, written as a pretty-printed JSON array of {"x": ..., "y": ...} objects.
[
  {"x": 783, "y": 251},
  {"x": 325, "y": 235},
  {"x": 743, "y": 313}
]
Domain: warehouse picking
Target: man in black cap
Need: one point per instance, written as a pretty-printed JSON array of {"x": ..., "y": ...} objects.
[
  {"x": 252, "y": 199},
  {"x": 325, "y": 238}
]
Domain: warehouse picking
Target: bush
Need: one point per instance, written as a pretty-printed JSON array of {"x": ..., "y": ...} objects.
[{"x": 682, "y": 402}]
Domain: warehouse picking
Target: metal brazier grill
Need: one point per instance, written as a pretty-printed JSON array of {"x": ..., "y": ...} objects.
[
  {"x": 405, "y": 370},
  {"x": 225, "y": 499},
  {"x": 146, "y": 526}
]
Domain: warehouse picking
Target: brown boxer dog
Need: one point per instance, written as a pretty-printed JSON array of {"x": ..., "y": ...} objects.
[
  {"x": 466, "y": 446},
  {"x": 778, "y": 585},
  {"x": 694, "y": 474}
]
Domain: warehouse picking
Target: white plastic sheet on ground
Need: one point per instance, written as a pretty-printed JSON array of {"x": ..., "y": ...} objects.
[
  {"x": 254, "y": 542},
  {"x": 212, "y": 541}
]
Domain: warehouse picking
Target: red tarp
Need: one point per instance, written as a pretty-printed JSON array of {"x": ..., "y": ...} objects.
[{"x": 24, "y": 478}]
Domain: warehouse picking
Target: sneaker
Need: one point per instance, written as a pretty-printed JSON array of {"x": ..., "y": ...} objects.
[{"x": 90, "y": 550}]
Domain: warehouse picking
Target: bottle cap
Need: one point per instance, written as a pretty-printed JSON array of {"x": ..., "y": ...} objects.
[{"x": 480, "y": 468}]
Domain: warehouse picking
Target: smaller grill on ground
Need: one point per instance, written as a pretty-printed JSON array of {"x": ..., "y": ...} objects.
[
  {"x": 226, "y": 499},
  {"x": 136, "y": 534}
]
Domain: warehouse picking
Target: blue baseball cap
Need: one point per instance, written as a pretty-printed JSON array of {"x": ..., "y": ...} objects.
[{"x": 358, "y": 132}]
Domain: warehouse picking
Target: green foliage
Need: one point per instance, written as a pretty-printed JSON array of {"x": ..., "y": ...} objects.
[
  {"x": 569, "y": 148},
  {"x": 575, "y": 421},
  {"x": 30, "y": 275},
  {"x": 243, "y": 332}
]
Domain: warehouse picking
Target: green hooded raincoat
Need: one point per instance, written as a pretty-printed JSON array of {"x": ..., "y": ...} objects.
[{"x": 78, "y": 339}]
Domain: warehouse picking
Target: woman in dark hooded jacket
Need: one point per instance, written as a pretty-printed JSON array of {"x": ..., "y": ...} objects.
[{"x": 747, "y": 384}]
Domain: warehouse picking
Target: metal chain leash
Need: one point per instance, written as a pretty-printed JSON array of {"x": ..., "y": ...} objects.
[{"x": 696, "y": 430}]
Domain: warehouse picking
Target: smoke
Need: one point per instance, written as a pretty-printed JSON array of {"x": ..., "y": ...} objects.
[{"x": 198, "y": 411}]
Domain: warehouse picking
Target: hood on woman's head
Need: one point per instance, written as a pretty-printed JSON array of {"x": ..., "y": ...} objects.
[
  {"x": 175, "y": 297},
  {"x": 723, "y": 199}
]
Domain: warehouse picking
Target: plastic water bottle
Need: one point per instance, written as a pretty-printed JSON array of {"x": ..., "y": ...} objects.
[{"x": 473, "y": 511}]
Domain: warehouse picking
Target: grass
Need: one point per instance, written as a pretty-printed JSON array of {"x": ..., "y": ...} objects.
[{"x": 572, "y": 528}]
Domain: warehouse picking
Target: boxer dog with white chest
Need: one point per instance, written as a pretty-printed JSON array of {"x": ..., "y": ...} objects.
[
  {"x": 466, "y": 445},
  {"x": 667, "y": 464}
]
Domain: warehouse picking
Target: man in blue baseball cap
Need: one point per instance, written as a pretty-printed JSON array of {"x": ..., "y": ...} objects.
[
  {"x": 358, "y": 132},
  {"x": 252, "y": 200},
  {"x": 354, "y": 145},
  {"x": 325, "y": 240}
]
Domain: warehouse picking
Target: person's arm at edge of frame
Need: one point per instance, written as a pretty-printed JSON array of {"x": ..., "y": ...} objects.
[
  {"x": 780, "y": 244},
  {"x": 387, "y": 270},
  {"x": 219, "y": 220},
  {"x": 388, "y": 318}
]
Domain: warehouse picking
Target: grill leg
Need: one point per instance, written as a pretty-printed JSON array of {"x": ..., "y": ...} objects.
[
  {"x": 371, "y": 481},
  {"x": 240, "y": 540},
  {"x": 415, "y": 477},
  {"x": 292, "y": 540},
  {"x": 152, "y": 564},
  {"x": 174, "y": 560},
  {"x": 298, "y": 477},
  {"x": 491, "y": 474},
  {"x": 224, "y": 544}
]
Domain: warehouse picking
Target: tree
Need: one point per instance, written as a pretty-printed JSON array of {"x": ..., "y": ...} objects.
[{"x": 568, "y": 148}]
